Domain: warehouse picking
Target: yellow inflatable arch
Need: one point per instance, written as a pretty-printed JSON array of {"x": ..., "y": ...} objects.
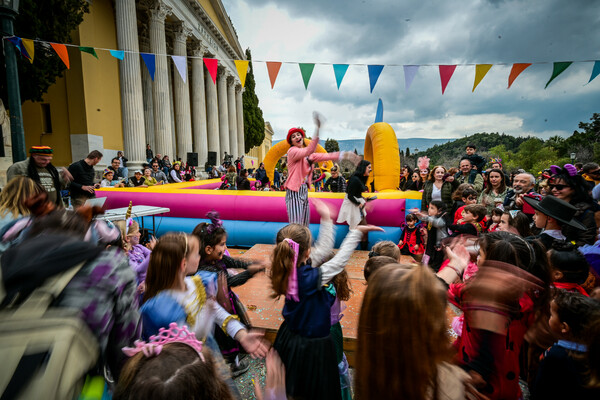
[
  {"x": 381, "y": 149},
  {"x": 281, "y": 148}
]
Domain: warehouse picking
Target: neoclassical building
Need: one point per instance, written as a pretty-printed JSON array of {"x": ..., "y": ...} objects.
[{"x": 109, "y": 104}]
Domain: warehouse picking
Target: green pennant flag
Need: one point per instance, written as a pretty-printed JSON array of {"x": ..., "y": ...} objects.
[
  {"x": 306, "y": 70},
  {"x": 559, "y": 68},
  {"x": 89, "y": 50}
]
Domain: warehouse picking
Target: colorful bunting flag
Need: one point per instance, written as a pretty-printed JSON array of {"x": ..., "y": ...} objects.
[
  {"x": 306, "y": 69},
  {"x": 480, "y": 71},
  {"x": 61, "y": 50},
  {"x": 374, "y": 72},
  {"x": 16, "y": 41},
  {"x": 559, "y": 68},
  {"x": 118, "y": 54},
  {"x": 181, "y": 65},
  {"x": 409, "y": 74},
  {"x": 150, "y": 61},
  {"x": 339, "y": 70},
  {"x": 89, "y": 50},
  {"x": 29, "y": 49},
  {"x": 211, "y": 65},
  {"x": 516, "y": 71},
  {"x": 379, "y": 113},
  {"x": 446, "y": 72},
  {"x": 273, "y": 70},
  {"x": 242, "y": 70},
  {"x": 595, "y": 71}
]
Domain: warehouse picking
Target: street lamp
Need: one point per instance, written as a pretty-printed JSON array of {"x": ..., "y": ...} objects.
[{"x": 8, "y": 11}]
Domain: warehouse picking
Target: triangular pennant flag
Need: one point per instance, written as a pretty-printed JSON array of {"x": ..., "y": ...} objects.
[
  {"x": 306, "y": 69},
  {"x": 409, "y": 74},
  {"x": 181, "y": 65},
  {"x": 374, "y": 72},
  {"x": 559, "y": 68},
  {"x": 29, "y": 48},
  {"x": 242, "y": 70},
  {"x": 89, "y": 50},
  {"x": 150, "y": 61},
  {"x": 516, "y": 71},
  {"x": 480, "y": 71},
  {"x": 17, "y": 42},
  {"x": 61, "y": 50},
  {"x": 339, "y": 70},
  {"x": 595, "y": 71},
  {"x": 273, "y": 69},
  {"x": 446, "y": 72},
  {"x": 379, "y": 114},
  {"x": 119, "y": 54},
  {"x": 211, "y": 65}
]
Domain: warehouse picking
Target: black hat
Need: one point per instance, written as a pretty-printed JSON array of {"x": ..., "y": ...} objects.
[{"x": 556, "y": 208}]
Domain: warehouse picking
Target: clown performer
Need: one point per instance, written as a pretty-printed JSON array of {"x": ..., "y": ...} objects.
[{"x": 300, "y": 159}]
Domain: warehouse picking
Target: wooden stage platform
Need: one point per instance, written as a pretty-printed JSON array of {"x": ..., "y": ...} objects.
[{"x": 265, "y": 312}]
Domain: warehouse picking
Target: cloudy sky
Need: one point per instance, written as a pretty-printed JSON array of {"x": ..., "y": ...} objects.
[{"x": 427, "y": 32}]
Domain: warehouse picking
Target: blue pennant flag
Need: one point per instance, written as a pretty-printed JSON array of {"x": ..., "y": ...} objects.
[
  {"x": 119, "y": 54},
  {"x": 339, "y": 70},
  {"x": 374, "y": 72},
  {"x": 595, "y": 71},
  {"x": 150, "y": 61}
]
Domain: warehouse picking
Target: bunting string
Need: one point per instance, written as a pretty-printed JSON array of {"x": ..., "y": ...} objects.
[{"x": 26, "y": 48}]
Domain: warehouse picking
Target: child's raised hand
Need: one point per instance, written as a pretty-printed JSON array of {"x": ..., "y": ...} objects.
[
  {"x": 253, "y": 342},
  {"x": 150, "y": 245},
  {"x": 319, "y": 119},
  {"x": 275, "y": 382},
  {"x": 257, "y": 266},
  {"x": 458, "y": 255},
  {"x": 369, "y": 228},
  {"x": 322, "y": 209}
]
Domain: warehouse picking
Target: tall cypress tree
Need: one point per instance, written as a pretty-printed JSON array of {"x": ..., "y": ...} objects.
[{"x": 254, "y": 124}]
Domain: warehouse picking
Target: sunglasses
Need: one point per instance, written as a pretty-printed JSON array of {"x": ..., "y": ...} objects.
[{"x": 557, "y": 187}]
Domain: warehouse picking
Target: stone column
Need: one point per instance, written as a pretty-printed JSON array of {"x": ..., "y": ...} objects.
[
  {"x": 199, "y": 128},
  {"x": 147, "y": 93},
  {"x": 170, "y": 68},
  {"x": 223, "y": 118},
  {"x": 160, "y": 88},
  {"x": 233, "y": 144},
  {"x": 212, "y": 115},
  {"x": 240, "y": 119},
  {"x": 131, "y": 84},
  {"x": 181, "y": 94}
]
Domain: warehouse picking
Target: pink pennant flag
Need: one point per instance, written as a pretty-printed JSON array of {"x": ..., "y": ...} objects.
[
  {"x": 211, "y": 66},
  {"x": 446, "y": 72}
]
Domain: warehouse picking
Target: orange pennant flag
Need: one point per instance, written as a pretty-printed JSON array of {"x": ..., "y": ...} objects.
[
  {"x": 61, "y": 50},
  {"x": 480, "y": 71},
  {"x": 273, "y": 69},
  {"x": 516, "y": 71}
]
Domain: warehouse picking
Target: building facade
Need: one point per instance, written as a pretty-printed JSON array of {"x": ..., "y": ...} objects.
[{"x": 109, "y": 105}]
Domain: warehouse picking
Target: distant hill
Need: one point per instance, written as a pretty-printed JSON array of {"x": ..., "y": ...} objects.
[{"x": 421, "y": 144}]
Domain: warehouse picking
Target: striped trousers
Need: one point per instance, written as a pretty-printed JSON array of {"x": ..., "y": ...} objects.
[{"x": 298, "y": 209}]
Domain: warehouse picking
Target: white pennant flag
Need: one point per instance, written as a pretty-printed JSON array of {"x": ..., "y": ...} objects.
[
  {"x": 181, "y": 64},
  {"x": 409, "y": 74}
]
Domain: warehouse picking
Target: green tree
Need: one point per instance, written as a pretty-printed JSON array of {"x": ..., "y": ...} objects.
[
  {"x": 332, "y": 145},
  {"x": 407, "y": 152},
  {"x": 50, "y": 20},
  {"x": 254, "y": 123}
]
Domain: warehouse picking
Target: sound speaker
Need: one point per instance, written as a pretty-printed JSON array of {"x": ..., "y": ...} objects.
[
  {"x": 212, "y": 158},
  {"x": 192, "y": 159}
]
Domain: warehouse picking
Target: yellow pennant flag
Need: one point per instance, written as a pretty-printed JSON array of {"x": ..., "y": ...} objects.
[
  {"x": 28, "y": 43},
  {"x": 242, "y": 69},
  {"x": 480, "y": 71}
]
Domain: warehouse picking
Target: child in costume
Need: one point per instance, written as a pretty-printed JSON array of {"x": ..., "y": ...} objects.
[
  {"x": 139, "y": 256},
  {"x": 300, "y": 159},
  {"x": 494, "y": 222},
  {"x": 107, "y": 179},
  {"x": 471, "y": 222},
  {"x": 569, "y": 269},
  {"x": 413, "y": 239},
  {"x": 436, "y": 232},
  {"x": 304, "y": 341}
]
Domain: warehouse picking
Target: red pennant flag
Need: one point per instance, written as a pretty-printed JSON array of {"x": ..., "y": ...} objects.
[
  {"x": 516, "y": 71},
  {"x": 61, "y": 50},
  {"x": 446, "y": 72},
  {"x": 273, "y": 69},
  {"x": 211, "y": 66}
]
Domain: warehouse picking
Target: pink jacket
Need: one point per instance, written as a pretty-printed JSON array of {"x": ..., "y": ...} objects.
[{"x": 298, "y": 166}]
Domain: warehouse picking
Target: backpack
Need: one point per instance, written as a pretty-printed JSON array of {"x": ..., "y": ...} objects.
[{"x": 46, "y": 351}]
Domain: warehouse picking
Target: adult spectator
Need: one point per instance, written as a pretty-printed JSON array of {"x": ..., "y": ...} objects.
[
  {"x": 175, "y": 173},
  {"x": 12, "y": 200},
  {"x": 261, "y": 172},
  {"x": 39, "y": 168},
  {"x": 416, "y": 182},
  {"x": 242, "y": 181},
  {"x": 523, "y": 184},
  {"x": 494, "y": 194},
  {"x": 496, "y": 163},
  {"x": 82, "y": 187},
  {"x": 119, "y": 173},
  {"x": 476, "y": 159},
  {"x": 276, "y": 179},
  {"x": 227, "y": 158},
  {"x": 166, "y": 164},
  {"x": 405, "y": 177},
  {"x": 567, "y": 185},
  {"x": 591, "y": 173},
  {"x": 123, "y": 161},
  {"x": 437, "y": 188},
  {"x": 336, "y": 183},
  {"x": 149, "y": 154},
  {"x": 137, "y": 180},
  {"x": 157, "y": 174},
  {"x": 469, "y": 175}
]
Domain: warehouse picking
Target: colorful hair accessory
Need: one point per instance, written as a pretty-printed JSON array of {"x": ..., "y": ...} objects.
[
  {"x": 107, "y": 171},
  {"x": 423, "y": 162},
  {"x": 40, "y": 150},
  {"x": 174, "y": 334},
  {"x": 292, "y": 292},
  {"x": 215, "y": 224},
  {"x": 513, "y": 213},
  {"x": 568, "y": 169},
  {"x": 496, "y": 160}
]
